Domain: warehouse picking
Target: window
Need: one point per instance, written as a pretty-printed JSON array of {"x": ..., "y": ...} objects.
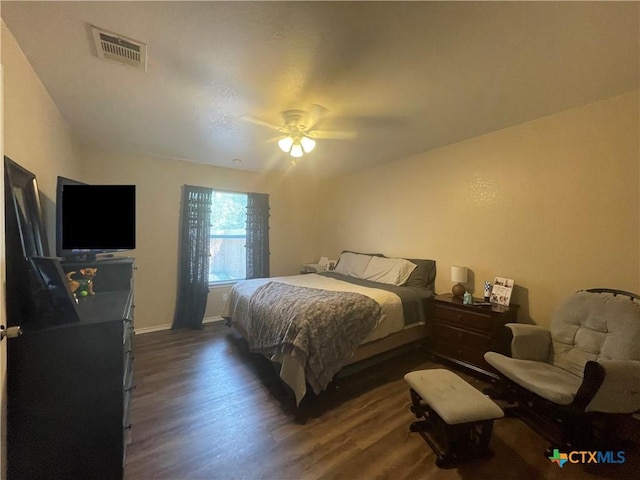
[{"x": 228, "y": 260}]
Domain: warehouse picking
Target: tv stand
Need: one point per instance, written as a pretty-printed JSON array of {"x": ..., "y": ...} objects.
[
  {"x": 70, "y": 385},
  {"x": 89, "y": 258},
  {"x": 86, "y": 257}
]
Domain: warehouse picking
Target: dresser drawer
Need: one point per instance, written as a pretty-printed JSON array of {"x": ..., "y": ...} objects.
[
  {"x": 461, "y": 353},
  {"x": 464, "y": 338},
  {"x": 465, "y": 318}
]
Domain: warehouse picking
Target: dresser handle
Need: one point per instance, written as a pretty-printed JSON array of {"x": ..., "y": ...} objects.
[{"x": 131, "y": 388}]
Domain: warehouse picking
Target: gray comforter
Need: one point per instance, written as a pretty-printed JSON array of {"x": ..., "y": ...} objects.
[{"x": 320, "y": 328}]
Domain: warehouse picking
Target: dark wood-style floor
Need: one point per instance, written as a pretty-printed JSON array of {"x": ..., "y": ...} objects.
[{"x": 206, "y": 408}]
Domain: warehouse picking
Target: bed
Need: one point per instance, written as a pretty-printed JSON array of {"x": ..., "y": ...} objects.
[{"x": 313, "y": 325}]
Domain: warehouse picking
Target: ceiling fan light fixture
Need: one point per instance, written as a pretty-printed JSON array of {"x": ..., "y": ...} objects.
[
  {"x": 297, "y": 136},
  {"x": 308, "y": 144},
  {"x": 296, "y": 149},
  {"x": 296, "y": 145},
  {"x": 285, "y": 144}
]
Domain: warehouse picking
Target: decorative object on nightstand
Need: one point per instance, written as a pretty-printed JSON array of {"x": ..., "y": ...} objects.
[
  {"x": 461, "y": 334},
  {"x": 467, "y": 299},
  {"x": 487, "y": 290},
  {"x": 501, "y": 292},
  {"x": 458, "y": 275}
]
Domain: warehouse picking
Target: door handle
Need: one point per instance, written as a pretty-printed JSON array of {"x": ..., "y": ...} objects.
[{"x": 11, "y": 332}]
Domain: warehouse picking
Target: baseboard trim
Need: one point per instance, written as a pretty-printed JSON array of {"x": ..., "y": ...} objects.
[{"x": 167, "y": 326}]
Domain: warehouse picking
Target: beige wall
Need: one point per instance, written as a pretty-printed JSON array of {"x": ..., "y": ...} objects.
[
  {"x": 553, "y": 203},
  {"x": 35, "y": 134},
  {"x": 293, "y": 232}
]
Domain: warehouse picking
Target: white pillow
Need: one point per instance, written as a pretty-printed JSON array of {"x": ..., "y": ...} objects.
[
  {"x": 394, "y": 271},
  {"x": 352, "y": 264}
]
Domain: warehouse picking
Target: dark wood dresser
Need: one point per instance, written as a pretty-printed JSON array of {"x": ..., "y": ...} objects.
[
  {"x": 461, "y": 334},
  {"x": 70, "y": 385}
]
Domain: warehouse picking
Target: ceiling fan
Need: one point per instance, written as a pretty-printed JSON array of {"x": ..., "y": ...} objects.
[{"x": 298, "y": 133}]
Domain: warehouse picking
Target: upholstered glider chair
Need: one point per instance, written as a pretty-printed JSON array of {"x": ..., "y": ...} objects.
[{"x": 574, "y": 382}]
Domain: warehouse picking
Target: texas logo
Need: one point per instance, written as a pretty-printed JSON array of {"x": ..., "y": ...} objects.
[{"x": 559, "y": 458}]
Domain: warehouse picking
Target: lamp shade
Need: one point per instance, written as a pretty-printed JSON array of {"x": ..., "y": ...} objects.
[
  {"x": 308, "y": 144},
  {"x": 296, "y": 150},
  {"x": 285, "y": 144},
  {"x": 458, "y": 274}
]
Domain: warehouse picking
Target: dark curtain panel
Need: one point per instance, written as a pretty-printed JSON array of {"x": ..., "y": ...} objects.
[
  {"x": 257, "y": 235},
  {"x": 193, "y": 259}
]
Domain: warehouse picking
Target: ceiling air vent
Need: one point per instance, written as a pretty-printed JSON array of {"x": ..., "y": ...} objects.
[{"x": 120, "y": 49}]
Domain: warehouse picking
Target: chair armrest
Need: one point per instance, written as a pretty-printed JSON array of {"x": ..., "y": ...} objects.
[
  {"x": 592, "y": 379},
  {"x": 620, "y": 389},
  {"x": 529, "y": 342}
]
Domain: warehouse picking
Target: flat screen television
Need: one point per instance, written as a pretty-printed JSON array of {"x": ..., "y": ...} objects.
[{"x": 94, "y": 219}]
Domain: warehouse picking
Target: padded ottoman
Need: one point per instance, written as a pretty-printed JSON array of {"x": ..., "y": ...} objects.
[{"x": 458, "y": 418}]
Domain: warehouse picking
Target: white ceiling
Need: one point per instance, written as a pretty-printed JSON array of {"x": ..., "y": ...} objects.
[{"x": 406, "y": 76}]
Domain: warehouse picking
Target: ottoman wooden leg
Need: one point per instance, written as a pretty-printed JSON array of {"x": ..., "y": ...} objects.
[
  {"x": 484, "y": 438},
  {"x": 416, "y": 406}
]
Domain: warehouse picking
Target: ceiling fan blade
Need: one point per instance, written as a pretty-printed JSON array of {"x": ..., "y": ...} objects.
[
  {"x": 257, "y": 121},
  {"x": 333, "y": 134},
  {"x": 315, "y": 115}
]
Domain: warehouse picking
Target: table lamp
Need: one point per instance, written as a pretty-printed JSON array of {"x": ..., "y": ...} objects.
[{"x": 458, "y": 275}]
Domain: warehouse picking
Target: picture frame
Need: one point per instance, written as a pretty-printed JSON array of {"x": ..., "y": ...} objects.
[{"x": 501, "y": 291}]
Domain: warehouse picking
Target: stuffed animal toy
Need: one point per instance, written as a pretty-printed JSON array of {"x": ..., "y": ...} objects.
[
  {"x": 73, "y": 284},
  {"x": 85, "y": 282}
]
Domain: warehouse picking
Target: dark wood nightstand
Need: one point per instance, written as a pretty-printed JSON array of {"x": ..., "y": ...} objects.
[{"x": 461, "y": 334}]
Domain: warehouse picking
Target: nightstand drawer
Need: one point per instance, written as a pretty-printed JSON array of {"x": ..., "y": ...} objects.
[
  {"x": 465, "y": 318},
  {"x": 461, "y": 353},
  {"x": 463, "y": 338}
]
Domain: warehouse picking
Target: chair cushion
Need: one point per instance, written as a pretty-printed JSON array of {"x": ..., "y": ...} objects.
[
  {"x": 555, "y": 384},
  {"x": 451, "y": 397},
  {"x": 590, "y": 326}
]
